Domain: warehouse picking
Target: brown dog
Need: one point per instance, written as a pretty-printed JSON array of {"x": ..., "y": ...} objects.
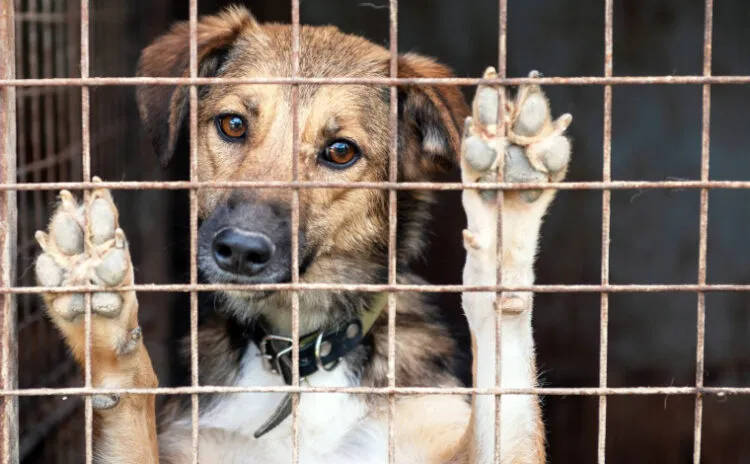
[{"x": 245, "y": 237}]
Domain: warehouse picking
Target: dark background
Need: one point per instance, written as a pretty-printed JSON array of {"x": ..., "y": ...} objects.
[{"x": 656, "y": 136}]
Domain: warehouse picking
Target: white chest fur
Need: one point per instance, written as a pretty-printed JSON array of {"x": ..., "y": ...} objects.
[{"x": 333, "y": 427}]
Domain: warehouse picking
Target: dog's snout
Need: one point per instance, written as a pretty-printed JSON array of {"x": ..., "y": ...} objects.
[{"x": 241, "y": 252}]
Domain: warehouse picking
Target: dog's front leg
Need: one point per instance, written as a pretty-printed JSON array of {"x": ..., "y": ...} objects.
[
  {"x": 85, "y": 244},
  {"x": 534, "y": 150}
]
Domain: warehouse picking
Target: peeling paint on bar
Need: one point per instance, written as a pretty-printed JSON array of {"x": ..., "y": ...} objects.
[{"x": 8, "y": 341}]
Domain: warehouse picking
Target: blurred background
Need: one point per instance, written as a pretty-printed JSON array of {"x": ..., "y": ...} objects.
[{"x": 656, "y": 136}]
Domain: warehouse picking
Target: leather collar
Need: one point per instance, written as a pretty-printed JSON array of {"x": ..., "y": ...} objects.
[{"x": 320, "y": 350}]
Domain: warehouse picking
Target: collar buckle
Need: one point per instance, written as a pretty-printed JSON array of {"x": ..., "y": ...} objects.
[
  {"x": 318, "y": 361},
  {"x": 272, "y": 362}
]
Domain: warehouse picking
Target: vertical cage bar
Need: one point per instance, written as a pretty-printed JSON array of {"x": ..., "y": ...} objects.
[
  {"x": 703, "y": 232},
  {"x": 295, "y": 229},
  {"x": 194, "y": 377},
  {"x": 51, "y": 129},
  {"x": 8, "y": 346},
  {"x": 86, "y": 175},
  {"x": 73, "y": 50},
  {"x": 606, "y": 222},
  {"x": 392, "y": 225},
  {"x": 35, "y": 130},
  {"x": 502, "y": 53}
]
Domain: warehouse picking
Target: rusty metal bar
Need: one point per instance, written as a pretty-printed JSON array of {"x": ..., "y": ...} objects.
[
  {"x": 8, "y": 187},
  {"x": 502, "y": 44},
  {"x": 382, "y": 81},
  {"x": 72, "y": 56},
  {"x": 44, "y": 17},
  {"x": 8, "y": 224},
  {"x": 435, "y": 186},
  {"x": 295, "y": 228},
  {"x": 86, "y": 176},
  {"x": 34, "y": 130},
  {"x": 700, "y": 347},
  {"x": 194, "y": 377},
  {"x": 51, "y": 129},
  {"x": 411, "y": 288},
  {"x": 392, "y": 223},
  {"x": 606, "y": 223},
  {"x": 402, "y": 391}
]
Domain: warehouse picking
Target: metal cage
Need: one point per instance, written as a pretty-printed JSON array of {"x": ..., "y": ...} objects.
[{"x": 61, "y": 122}]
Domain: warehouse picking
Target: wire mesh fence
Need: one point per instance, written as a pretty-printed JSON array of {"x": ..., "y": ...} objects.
[{"x": 47, "y": 135}]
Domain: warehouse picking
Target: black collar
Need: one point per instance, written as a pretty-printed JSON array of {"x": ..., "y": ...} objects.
[{"x": 320, "y": 350}]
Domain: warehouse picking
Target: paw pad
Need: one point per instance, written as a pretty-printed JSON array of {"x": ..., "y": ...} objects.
[
  {"x": 107, "y": 304},
  {"x": 66, "y": 261},
  {"x": 67, "y": 233},
  {"x": 113, "y": 267},
  {"x": 102, "y": 220},
  {"x": 48, "y": 273},
  {"x": 69, "y": 306},
  {"x": 478, "y": 154},
  {"x": 532, "y": 116},
  {"x": 535, "y": 147}
]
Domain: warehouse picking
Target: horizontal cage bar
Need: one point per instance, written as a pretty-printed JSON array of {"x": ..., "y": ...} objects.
[
  {"x": 444, "y": 186},
  {"x": 381, "y": 81}
]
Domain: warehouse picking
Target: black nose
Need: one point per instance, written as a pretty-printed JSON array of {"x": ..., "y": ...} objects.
[{"x": 242, "y": 252}]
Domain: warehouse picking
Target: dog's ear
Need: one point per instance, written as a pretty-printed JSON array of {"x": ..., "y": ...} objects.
[
  {"x": 431, "y": 115},
  {"x": 164, "y": 108}
]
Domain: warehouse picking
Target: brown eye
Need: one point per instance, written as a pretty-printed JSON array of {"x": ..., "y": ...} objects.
[
  {"x": 341, "y": 154},
  {"x": 231, "y": 127}
]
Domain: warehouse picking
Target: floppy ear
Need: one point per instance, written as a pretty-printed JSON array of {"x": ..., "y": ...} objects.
[
  {"x": 163, "y": 108},
  {"x": 432, "y": 116}
]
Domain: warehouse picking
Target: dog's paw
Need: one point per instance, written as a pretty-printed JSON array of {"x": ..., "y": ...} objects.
[
  {"x": 534, "y": 146},
  {"x": 84, "y": 245}
]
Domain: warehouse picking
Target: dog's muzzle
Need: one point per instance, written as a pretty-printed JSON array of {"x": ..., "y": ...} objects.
[
  {"x": 247, "y": 240},
  {"x": 242, "y": 252}
]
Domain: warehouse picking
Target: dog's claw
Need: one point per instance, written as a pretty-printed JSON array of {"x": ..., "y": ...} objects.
[
  {"x": 104, "y": 402},
  {"x": 470, "y": 240},
  {"x": 131, "y": 342},
  {"x": 120, "y": 239},
  {"x": 67, "y": 200}
]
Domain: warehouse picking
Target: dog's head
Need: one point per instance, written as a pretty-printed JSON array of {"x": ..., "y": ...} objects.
[{"x": 245, "y": 133}]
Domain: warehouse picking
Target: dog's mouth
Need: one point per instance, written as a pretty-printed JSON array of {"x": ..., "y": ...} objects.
[{"x": 258, "y": 295}]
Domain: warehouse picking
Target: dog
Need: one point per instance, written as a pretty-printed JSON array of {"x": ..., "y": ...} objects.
[{"x": 244, "y": 133}]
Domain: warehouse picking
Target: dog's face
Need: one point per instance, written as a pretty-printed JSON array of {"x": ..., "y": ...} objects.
[{"x": 245, "y": 133}]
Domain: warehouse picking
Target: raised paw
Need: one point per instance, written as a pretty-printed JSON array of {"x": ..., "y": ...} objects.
[
  {"x": 84, "y": 245},
  {"x": 534, "y": 145}
]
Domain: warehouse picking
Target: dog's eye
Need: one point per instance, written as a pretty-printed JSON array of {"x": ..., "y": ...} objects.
[
  {"x": 340, "y": 154},
  {"x": 231, "y": 126}
]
